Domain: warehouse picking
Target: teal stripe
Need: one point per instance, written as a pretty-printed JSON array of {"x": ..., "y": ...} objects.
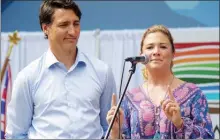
[{"x": 212, "y": 96}]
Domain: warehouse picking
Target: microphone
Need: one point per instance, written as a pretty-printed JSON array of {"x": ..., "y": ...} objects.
[{"x": 138, "y": 59}]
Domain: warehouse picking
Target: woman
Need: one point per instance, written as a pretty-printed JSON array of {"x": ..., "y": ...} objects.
[{"x": 163, "y": 107}]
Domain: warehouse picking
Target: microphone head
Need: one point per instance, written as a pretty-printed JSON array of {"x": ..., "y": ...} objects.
[
  {"x": 146, "y": 59},
  {"x": 138, "y": 59}
]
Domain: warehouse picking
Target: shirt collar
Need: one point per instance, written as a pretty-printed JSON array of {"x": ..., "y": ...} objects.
[
  {"x": 51, "y": 59},
  {"x": 80, "y": 57}
]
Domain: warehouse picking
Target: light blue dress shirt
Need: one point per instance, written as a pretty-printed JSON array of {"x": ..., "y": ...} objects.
[{"x": 49, "y": 101}]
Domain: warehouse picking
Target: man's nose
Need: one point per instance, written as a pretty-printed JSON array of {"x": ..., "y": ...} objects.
[{"x": 72, "y": 30}]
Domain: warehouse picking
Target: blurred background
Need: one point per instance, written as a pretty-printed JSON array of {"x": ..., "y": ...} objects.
[
  {"x": 117, "y": 15},
  {"x": 112, "y": 31}
]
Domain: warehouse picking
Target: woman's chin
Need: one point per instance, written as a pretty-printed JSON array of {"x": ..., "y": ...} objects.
[{"x": 156, "y": 67}]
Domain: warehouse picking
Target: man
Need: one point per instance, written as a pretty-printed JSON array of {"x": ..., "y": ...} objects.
[{"x": 64, "y": 93}]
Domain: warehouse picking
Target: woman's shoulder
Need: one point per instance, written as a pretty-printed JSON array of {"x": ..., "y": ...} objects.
[
  {"x": 185, "y": 90},
  {"x": 180, "y": 84},
  {"x": 135, "y": 94},
  {"x": 134, "y": 90}
]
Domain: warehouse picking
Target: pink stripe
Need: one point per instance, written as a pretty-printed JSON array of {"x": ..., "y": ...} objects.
[{"x": 194, "y": 44}]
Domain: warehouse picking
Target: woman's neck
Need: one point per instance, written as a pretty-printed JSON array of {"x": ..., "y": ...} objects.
[{"x": 160, "y": 78}]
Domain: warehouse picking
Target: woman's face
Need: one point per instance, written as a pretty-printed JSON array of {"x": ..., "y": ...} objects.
[{"x": 159, "y": 51}]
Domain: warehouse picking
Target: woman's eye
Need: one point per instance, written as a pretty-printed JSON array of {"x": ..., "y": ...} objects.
[
  {"x": 163, "y": 47},
  {"x": 150, "y": 47}
]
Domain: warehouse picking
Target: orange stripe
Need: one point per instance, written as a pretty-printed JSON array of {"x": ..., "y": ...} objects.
[
  {"x": 194, "y": 52},
  {"x": 195, "y": 60}
]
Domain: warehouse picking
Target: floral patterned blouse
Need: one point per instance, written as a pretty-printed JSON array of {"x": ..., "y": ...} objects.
[{"x": 139, "y": 122}]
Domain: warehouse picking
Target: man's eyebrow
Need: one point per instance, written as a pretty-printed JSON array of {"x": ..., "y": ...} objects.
[
  {"x": 63, "y": 22},
  {"x": 76, "y": 21}
]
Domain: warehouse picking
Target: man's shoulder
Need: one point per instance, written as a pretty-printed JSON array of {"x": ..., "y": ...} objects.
[
  {"x": 95, "y": 62},
  {"x": 32, "y": 68}
]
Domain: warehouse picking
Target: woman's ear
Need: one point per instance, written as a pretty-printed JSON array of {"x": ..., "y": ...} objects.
[
  {"x": 141, "y": 52},
  {"x": 173, "y": 55}
]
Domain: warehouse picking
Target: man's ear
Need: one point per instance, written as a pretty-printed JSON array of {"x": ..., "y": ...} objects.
[{"x": 45, "y": 28}]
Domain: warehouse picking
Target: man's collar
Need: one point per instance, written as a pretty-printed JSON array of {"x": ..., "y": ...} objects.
[{"x": 51, "y": 59}]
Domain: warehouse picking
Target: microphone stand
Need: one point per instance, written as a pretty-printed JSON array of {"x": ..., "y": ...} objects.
[{"x": 132, "y": 71}]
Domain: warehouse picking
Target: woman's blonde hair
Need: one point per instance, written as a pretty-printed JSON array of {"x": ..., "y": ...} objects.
[{"x": 153, "y": 29}]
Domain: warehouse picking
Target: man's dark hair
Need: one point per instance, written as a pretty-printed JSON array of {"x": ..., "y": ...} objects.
[{"x": 48, "y": 7}]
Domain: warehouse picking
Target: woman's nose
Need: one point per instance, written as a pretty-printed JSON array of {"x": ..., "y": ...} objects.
[{"x": 156, "y": 51}]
